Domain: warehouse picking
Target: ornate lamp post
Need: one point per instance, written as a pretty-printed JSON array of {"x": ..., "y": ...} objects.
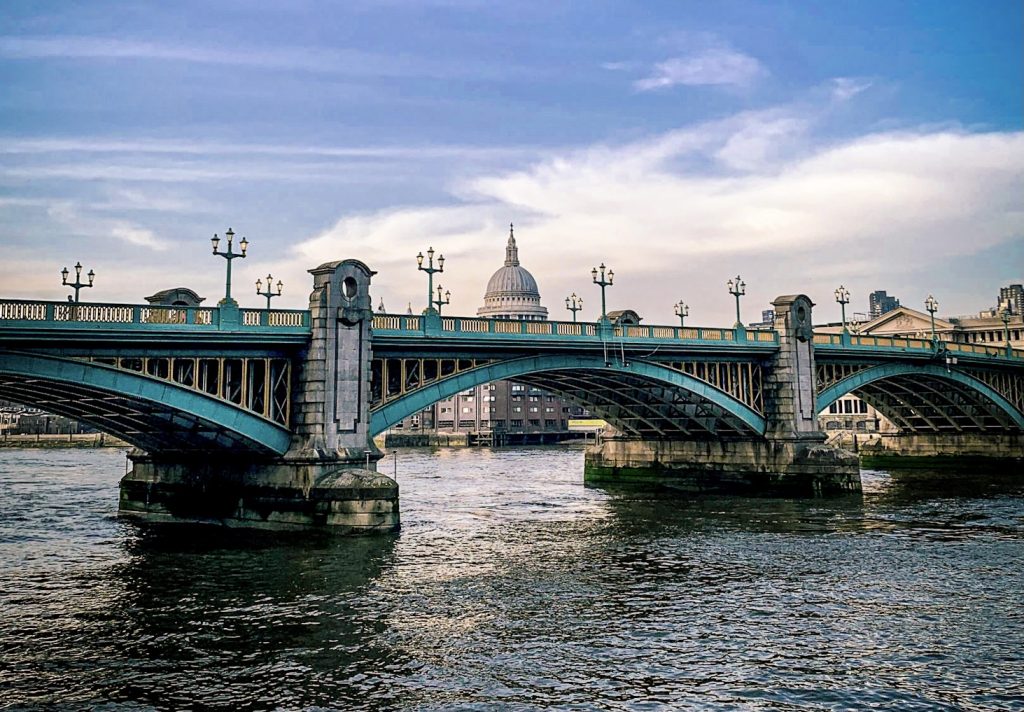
[
  {"x": 441, "y": 302},
  {"x": 737, "y": 289},
  {"x": 602, "y": 283},
  {"x": 573, "y": 304},
  {"x": 843, "y": 297},
  {"x": 682, "y": 311},
  {"x": 229, "y": 255},
  {"x": 431, "y": 271},
  {"x": 270, "y": 293},
  {"x": 932, "y": 306},
  {"x": 77, "y": 284},
  {"x": 1004, "y": 315}
]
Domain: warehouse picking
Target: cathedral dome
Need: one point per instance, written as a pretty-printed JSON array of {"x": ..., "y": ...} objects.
[{"x": 512, "y": 292}]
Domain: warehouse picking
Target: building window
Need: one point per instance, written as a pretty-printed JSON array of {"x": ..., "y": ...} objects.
[
  {"x": 534, "y": 399},
  {"x": 517, "y": 409},
  {"x": 516, "y": 423},
  {"x": 534, "y": 423},
  {"x": 517, "y": 388},
  {"x": 549, "y": 410}
]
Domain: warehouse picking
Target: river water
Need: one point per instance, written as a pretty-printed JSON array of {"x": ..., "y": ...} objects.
[{"x": 514, "y": 587}]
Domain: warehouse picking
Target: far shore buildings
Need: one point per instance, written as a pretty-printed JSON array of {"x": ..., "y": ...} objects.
[{"x": 501, "y": 412}]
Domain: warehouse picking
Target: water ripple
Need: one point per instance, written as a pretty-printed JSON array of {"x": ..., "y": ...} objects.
[{"x": 513, "y": 587}]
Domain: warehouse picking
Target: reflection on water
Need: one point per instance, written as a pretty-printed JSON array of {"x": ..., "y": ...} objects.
[{"x": 512, "y": 586}]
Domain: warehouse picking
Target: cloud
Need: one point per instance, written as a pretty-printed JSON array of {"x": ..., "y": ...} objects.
[
  {"x": 678, "y": 213},
  {"x": 714, "y": 66},
  {"x": 79, "y": 220},
  {"x": 135, "y": 235},
  {"x": 845, "y": 88},
  {"x": 303, "y": 59}
]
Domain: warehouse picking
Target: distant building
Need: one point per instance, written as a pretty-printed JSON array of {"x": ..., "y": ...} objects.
[
  {"x": 881, "y": 303},
  {"x": 984, "y": 328},
  {"x": 1012, "y": 295},
  {"x": 512, "y": 292},
  {"x": 503, "y": 411},
  {"x": 767, "y": 320}
]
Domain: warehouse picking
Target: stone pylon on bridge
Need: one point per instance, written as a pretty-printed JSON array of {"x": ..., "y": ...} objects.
[
  {"x": 324, "y": 477},
  {"x": 790, "y": 457}
]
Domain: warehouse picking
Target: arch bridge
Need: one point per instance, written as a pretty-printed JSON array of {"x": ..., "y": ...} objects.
[{"x": 298, "y": 389}]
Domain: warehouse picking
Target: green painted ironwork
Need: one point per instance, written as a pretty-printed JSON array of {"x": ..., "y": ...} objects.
[
  {"x": 401, "y": 327},
  {"x": 396, "y": 410},
  {"x": 148, "y": 395},
  {"x": 851, "y": 383}
]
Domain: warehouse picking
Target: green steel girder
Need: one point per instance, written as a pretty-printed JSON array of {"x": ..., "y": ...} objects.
[
  {"x": 157, "y": 414},
  {"x": 985, "y": 398},
  {"x": 395, "y": 410}
]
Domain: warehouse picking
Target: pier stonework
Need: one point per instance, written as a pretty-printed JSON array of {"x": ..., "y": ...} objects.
[
  {"x": 790, "y": 458},
  {"x": 324, "y": 478}
]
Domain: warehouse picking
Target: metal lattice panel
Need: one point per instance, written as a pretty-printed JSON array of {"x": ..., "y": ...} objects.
[
  {"x": 1008, "y": 384},
  {"x": 259, "y": 385},
  {"x": 744, "y": 381},
  {"x": 392, "y": 378},
  {"x": 828, "y": 374}
]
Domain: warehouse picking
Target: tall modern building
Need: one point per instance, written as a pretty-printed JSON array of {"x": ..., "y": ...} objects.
[
  {"x": 880, "y": 303},
  {"x": 502, "y": 411},
  {"x": 1013, "y": 295}
]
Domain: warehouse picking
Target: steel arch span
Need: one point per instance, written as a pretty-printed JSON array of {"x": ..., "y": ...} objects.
[
  {"x": 151, "y": 414},
  {"x": 639, "y": 397},
  {"x": 925, "y": 398}
]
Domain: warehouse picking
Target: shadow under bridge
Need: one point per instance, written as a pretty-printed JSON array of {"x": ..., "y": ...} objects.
[{"x": 642, "y": 398}]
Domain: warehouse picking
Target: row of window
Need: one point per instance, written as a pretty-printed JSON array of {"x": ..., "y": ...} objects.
[{"x": 848, "y": 405}]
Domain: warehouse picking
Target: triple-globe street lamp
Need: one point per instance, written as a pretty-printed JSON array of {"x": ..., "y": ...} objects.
[
  {"x": 573, "y": 304},
  {"x": 229, "y": 256},
  {"x": 737, "y": 289},
  {"x": 603, "y": 283},
  {"x": 431, "y": 271},
  {"x": 932, "y": 306},
  {"x": 843, "y": 297},
  {"x": 77, "y": 284},
  {"x": 441, "y": 302},
  {"x": 270, "y": 293},
  {"x": 682, "y": 311}
]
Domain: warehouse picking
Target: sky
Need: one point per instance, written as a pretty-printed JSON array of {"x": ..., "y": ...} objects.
[{"x": 801, "y": 145}]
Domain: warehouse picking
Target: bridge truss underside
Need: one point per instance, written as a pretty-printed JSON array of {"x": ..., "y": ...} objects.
[
  {"x": 142, "y": 411},
  {"x": 640, "y": 398},
  {"x": 931, "y": 399},
  {"x": 641, "y": 407},
  {"x": 921, "y": 404}
]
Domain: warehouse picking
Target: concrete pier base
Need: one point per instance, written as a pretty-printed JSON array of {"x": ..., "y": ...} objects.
[
  {"x": 963, "y": 451},
  {"x": 277, "y": 494},
  {"x": 793, "y": 467}
]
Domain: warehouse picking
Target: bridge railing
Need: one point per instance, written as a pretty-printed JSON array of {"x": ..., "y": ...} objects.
[
  {"x": 473, "y": 326},
  {"x": 45, "y": 313},
  {"x": 910, "y": 344}
]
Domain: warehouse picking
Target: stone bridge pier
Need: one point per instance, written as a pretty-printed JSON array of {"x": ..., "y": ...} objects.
[
  {"x": 790, "y": 457},
  {"x": 325, "y": 477}
]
